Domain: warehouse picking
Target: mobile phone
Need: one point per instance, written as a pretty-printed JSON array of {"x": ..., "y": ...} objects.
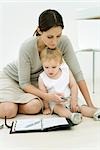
[
  {"x": 1, "y": 125},
  {"x": 64, "y": 98}
]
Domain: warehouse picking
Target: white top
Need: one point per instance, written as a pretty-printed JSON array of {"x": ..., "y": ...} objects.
[{"x": 59, "y": 85}]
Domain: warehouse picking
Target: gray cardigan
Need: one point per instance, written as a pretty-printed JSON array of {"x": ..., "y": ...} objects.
[{"x": 27, "y": 68}]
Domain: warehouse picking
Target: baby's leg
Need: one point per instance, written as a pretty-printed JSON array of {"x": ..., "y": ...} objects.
[
  {"x": 47, "y": 111},
  {"x": 62, "y": 111}
]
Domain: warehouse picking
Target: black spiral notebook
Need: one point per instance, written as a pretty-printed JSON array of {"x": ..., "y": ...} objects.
[{"x": 39, "y": 125}]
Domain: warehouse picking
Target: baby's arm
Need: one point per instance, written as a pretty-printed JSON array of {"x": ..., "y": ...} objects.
[{"x": 46, "y": 104}]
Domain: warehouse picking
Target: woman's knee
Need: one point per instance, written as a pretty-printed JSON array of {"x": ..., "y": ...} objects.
[
  {"x": 32, "y": 107},
  {"x": 8, "y": 109}
]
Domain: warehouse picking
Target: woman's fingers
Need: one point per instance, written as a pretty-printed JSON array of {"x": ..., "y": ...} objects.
[{"x": 75, "y": 108}]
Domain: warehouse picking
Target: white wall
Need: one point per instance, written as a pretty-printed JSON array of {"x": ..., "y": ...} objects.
[
  {"x": 19, "y": 20},
  {"x": 89, "y": 37}
]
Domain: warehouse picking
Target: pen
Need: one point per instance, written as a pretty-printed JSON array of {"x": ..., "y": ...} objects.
[{"x": 32, "y": 124}]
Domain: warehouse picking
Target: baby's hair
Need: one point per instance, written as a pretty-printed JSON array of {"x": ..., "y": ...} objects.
[{"x": 49, "y": 54}]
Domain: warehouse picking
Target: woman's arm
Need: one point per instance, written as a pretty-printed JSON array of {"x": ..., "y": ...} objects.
[
  {"x": 46, "y": 96},
  {"x": 71, "y": 59},
  {"x": 74, "y": 92},
  {"x": 84, "y": 90},
  {"x": 24, "y": 69}
]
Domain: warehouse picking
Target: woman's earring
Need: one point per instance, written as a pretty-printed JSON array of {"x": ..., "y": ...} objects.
[{"x": 39, "y": 31}]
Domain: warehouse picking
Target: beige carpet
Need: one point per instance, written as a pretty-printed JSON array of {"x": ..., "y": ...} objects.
[{"x": 85, "y": 136}]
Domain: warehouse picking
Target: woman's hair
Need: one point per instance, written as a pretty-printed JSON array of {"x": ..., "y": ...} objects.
[
  {"x": 48, "y": 19},
  {"x": 48, "y": 54}
]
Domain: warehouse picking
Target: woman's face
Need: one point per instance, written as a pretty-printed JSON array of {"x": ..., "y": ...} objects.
[{"x": 50, "y": 38}]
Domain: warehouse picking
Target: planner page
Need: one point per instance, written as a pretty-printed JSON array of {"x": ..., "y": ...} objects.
[
  {"x": 27, "y": 124},
  {"x": 54, "y": 121}
]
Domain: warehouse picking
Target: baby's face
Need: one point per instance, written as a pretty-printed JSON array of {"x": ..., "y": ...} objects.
[{"x": 51, "y": 67}]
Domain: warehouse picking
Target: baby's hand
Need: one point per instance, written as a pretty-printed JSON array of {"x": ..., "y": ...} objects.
[{"x": 47, "y": 111}]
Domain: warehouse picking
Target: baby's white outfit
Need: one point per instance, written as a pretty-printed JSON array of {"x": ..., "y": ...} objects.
[{"x": 59, "y": 85}]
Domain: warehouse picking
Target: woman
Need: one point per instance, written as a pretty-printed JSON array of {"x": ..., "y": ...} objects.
[{"x": 18, "y": 81}]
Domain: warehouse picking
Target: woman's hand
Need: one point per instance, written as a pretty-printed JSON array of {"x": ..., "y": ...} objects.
[{"x": 74, "y": 106}]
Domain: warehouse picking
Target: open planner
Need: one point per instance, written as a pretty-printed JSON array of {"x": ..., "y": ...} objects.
[{"x": 39, "y": 125}]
